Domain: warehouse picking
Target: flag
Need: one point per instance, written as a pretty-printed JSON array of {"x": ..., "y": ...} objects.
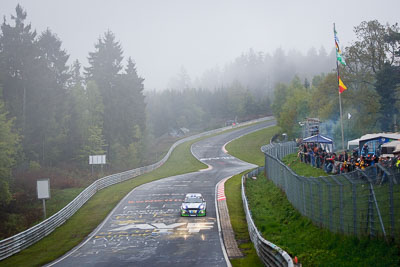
[
  {"x": 342, "y": 87},
  {"x": 338, "y": 51}
]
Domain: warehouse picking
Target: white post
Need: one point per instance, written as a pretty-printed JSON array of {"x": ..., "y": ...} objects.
[{"x": 44, "y": 209}]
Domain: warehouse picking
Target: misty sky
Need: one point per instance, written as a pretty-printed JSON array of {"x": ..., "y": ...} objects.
[{"x": 164, "y": 35}]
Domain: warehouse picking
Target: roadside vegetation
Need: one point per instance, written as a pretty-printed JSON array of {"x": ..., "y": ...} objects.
[
  {"x": 281, "y": 224},
  {"x": 246, "y": 148},
  {"x": 371, "y": 76},
  {"x": 301, "y": 168},
  {"x": 96, "y": 209},
  {"x": 239, "y": 223},
  {"x": 55, "y": 113},
  {"x": 71, "y": 233}
]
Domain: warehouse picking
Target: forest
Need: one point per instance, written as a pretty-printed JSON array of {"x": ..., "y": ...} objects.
[
  {"x": 371, "y": 102},
  {"x": 55, "y": 112}
]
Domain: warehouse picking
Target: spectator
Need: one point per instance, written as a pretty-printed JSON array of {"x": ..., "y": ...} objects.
[
  {"x": 364, "y": 150},
  {"x": 355, "y": 153}
]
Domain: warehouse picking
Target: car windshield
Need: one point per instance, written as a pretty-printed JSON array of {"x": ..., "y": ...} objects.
[{"x": 193, "y": 200}]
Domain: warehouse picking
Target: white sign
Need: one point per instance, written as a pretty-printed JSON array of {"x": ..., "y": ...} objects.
[
  {"x": 97, "y": 159},
  {"x": 43, "y": 188}
]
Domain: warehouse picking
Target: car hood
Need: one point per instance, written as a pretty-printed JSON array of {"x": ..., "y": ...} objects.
[{"x": 192, "y": 205}]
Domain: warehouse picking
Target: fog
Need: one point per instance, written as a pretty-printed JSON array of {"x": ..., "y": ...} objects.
[{"x": 164, "y": 36}]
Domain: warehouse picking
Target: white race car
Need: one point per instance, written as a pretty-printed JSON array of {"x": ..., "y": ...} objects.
[{"x": 193, "y": 205}]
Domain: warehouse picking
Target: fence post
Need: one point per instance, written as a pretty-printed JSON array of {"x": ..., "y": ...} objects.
[
  {"x": 285, "y": 179},
  {"x": 340, "y": 203},
  {"x": 265, "y": 164},
  {"x": 354, "y": 198},
  {"x": 304, "y": 198},
  {"x": 378, "y": 210},
  {"x": 370, "y": 216},
  {"x": 330, "y": 208},
  {"x": 311, "y": 200},
  {"x": 321, "y": 218}
]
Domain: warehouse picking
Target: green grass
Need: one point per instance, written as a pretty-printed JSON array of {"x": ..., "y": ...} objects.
[
  {"x": 381, "y": 193},
  {"x": 239, "y": 224},
  {"x": 281, "y": 224},
  {"x": 301, "y": 168},
  {"x": 60, "y": 198},
  {"x": 72, "y": 232},
  {"x": 248, "y": 147},
  {"x": 96, "y": 209}
]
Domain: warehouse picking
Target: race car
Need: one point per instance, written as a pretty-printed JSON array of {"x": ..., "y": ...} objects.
[{"x": 193, "y": 205}]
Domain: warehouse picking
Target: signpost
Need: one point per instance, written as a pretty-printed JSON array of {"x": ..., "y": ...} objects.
[
  {"x": 43, "y": 192},
  {"x": 97, "y": 159}
]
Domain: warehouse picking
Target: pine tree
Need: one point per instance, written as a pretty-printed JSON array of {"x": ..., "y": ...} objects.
[
  {"x": 9, "y": 142},
  {"x": 93, "y": 138},
  {"x": 105, "y": 66},
  {"x": 18, "y": 55}
]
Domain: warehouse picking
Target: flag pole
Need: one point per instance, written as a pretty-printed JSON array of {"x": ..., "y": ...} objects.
[{"x": 340, "y": 98}]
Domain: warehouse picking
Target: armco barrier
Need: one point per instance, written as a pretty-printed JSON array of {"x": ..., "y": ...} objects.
[
  {"x": 269, "y": 253},
  {"x": 18, "y": 242}
]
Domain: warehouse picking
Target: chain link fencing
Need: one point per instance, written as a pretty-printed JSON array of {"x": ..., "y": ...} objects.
[
  {"x": 361, "y": 203},
  {"x": 20, "y": 241}
]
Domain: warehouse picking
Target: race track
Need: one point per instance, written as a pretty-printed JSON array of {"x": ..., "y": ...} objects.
[{"x": 145, "y": 229}]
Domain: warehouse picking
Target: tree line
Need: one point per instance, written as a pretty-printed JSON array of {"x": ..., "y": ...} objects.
[
  {"x": 260, "y": 71},
  {"x": 54, "y": 115},
  {"x": 201, "y": 109},
  {"x": 372, "y": 101}
]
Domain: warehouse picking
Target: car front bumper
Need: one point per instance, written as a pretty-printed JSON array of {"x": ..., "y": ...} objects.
[{"x": 193, "y": 213}]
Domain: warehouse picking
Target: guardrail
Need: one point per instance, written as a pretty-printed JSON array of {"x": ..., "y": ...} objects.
[
  {"x": 269, "y": 253},
  {"x": 361, "y": 203},
  {"x": 20, "y": 241}
]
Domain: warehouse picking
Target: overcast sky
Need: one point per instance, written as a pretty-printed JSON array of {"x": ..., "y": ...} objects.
[{"x": 164, "y": 35}]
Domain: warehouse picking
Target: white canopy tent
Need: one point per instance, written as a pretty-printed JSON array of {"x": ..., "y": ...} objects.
[
  {"x": 388, "y": 149},
  {"x": 378, "y": 138},
  {"x": 354, "y": 142}
]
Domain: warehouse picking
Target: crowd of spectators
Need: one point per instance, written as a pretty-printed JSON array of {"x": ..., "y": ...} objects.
[{"x": 336, "y": 163}]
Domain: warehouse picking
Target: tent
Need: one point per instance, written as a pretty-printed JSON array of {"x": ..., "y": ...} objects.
[
  {"x": 318, "y": 139},
  {"x": 375, "y": 141},
  {"x": 354, "y": 142},
  {"x": 390, "y": 148},
  {"x": 325, "y": 142}
]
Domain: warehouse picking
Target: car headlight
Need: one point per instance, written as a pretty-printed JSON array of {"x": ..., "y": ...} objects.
[{"x": 202, "y": 207}]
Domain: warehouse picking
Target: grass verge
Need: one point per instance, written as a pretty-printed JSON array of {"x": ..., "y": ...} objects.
[
  {"x": 239, "y": 224},
  {"x": 301, "y": 168},
  {"x": 96, "y": 209},
  {"x": 246, "y": 148},
  {"x": 72, "y": 232},
  {"x": 281, "y": 224}
]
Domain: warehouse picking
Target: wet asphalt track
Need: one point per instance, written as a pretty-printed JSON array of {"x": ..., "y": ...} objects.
[{"x": 145, "y": 229}]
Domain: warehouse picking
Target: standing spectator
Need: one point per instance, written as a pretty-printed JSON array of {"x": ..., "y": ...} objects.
[
  {"x": 346, "y": 155},
  {"x": 355, "y": 153},
  {"x": 364, "y": 150},
  {"x": 312, "y": 157}
]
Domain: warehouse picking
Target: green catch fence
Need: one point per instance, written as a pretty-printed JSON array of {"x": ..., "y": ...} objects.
[{"x": 361, "y": 203}]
